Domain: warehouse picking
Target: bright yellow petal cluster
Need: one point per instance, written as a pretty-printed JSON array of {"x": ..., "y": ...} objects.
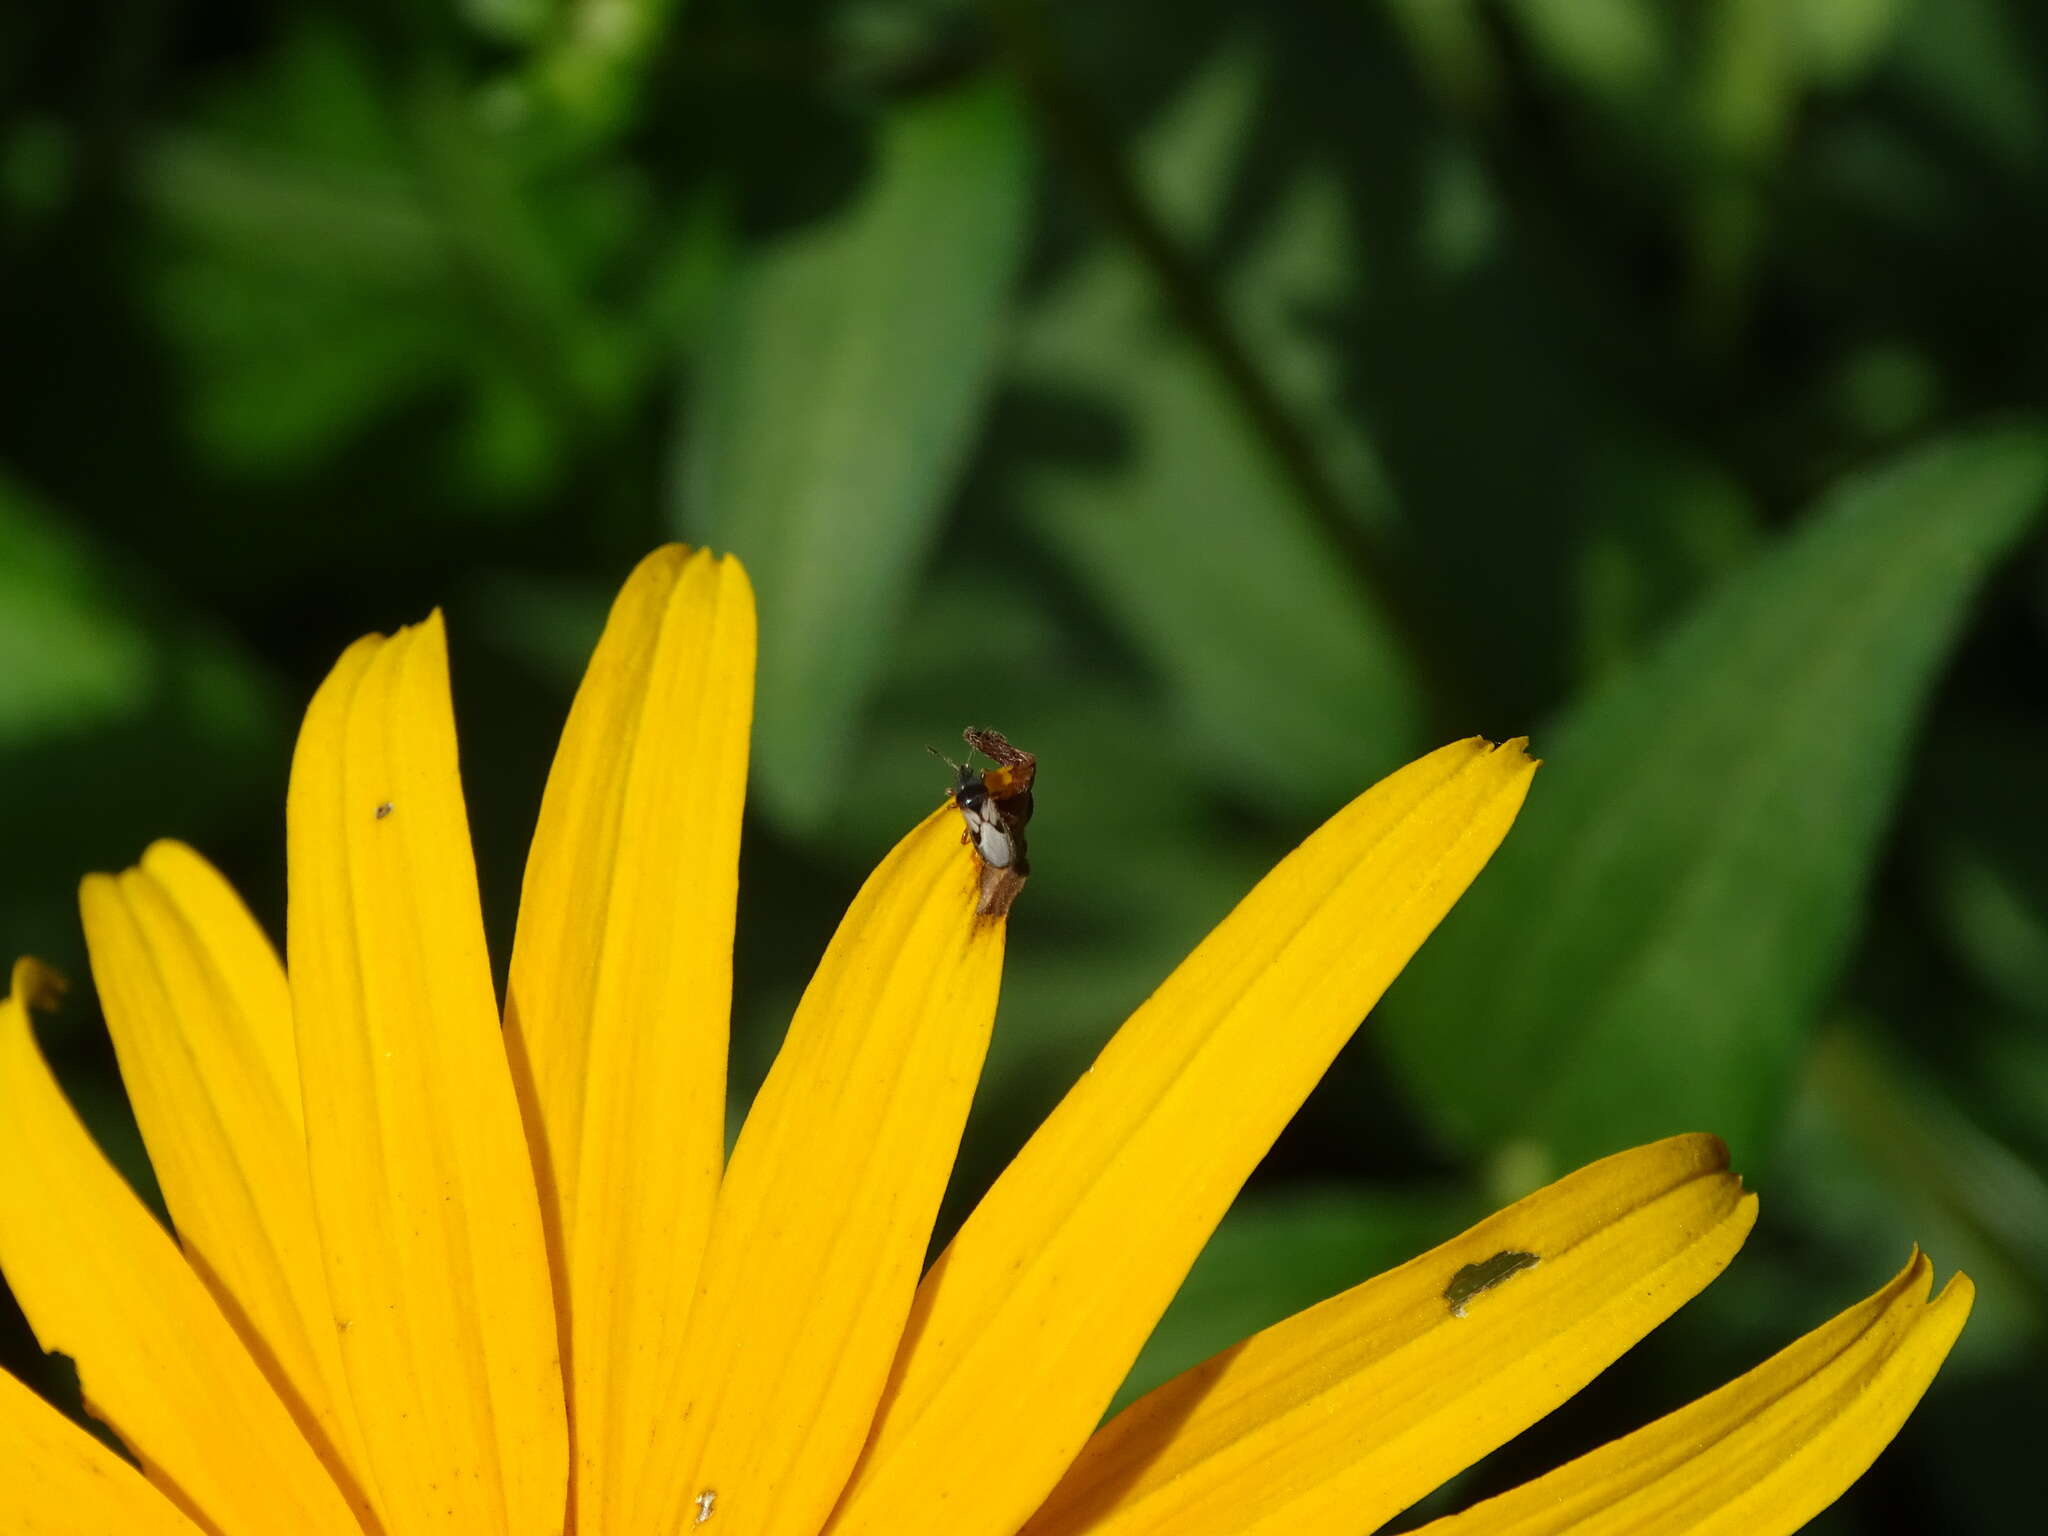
[{"x": 438, "y": 1274}]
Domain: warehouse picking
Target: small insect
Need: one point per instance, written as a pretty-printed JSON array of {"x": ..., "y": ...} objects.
[{"x": 995, "y": 805}]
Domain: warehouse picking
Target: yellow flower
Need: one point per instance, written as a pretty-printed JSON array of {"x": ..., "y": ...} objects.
[{"x": 435, "y": 1276}]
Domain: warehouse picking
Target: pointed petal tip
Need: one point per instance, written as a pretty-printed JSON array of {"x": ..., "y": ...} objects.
[
  {"x": 1509, "y": 760},
  {"x": 1960, "y": 1293},
  {"x": 1916, "y": 1282},
  {"x": 677, "y": 555},
  {"x": 1515, "y": 748},
  {"x": 1916, "y": 1276},
  {"x": 1342, "y": 1415},
  {"x": 1768, "y": 1451},
  {"x": 674, "y": 566},
  {"x": 663, "y": 560},
  {"x": 1746, "y": 1209},
  {"x": 731, "y": 574},
  {"x": 433, "y": 627}
]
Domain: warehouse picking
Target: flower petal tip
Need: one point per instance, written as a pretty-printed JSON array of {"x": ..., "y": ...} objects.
[
  {"x": 671, "y": 559},
  {"x": 665, "y": 561},
  {"x": 36, "y": 985},
  {"x": 1707, "y": 1151},
  {"x": 165, "y": 850},
  {"x": 1918, "y": 1273},
  {"x": 1960, "y": 1293},
  {"x": 1914, "y": 1283},
  {"x": 1516, "y": 748}
]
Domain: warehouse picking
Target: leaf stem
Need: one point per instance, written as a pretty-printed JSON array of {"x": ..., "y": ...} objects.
[{"x": 1074, "y": 125}]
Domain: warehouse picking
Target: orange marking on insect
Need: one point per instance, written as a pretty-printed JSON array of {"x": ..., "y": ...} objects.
[{"x": 995, "y": 805}]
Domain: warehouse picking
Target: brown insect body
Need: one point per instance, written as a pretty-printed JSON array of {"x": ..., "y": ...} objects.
[{"x": 996, "y": 805}]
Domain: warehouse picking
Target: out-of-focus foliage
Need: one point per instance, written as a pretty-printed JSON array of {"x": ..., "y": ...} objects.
[
  {"x": 1791, "y": 690},
  {"x": 838, "y": 394},
  {"x": 1225, "y": 401}
]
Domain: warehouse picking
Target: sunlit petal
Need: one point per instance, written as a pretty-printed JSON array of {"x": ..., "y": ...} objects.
[
  {"x": 101, "y": 1282},
  {"x": 621, "y": 992},
  {"x": 56, "y": 1480},
  {"x": 201, "y": 1020},
  {"x": 1767, "y": 1452},
  {"x": 421, "y": 1176},
  {"x": 827, "y": 1210},
  {"x": 1026, "y": 1325},
  {"x": 1336, "y": 1419}
]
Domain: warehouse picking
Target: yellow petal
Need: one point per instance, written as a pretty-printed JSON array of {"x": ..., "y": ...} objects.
[
  {"x": 827, "y": 1210},
  {"x": 201, "y": 1019},
  {"x": 1767, "y": 1452},
  {"x": 1026, "y": 1324},
  {"x": 422, "y": 1184},
  {"x": 621, "y": 992},
  {"x": 101, "y": 1282},
  {"x": 56, "y": 1480},
  {"x": 1338, "y": 1418}
]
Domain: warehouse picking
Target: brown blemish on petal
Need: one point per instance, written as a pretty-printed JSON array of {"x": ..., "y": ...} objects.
[{"x": 1485, "y": 1275}]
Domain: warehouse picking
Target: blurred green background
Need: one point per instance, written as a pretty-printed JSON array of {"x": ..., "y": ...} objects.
[{"x": 1229, "y": 403}]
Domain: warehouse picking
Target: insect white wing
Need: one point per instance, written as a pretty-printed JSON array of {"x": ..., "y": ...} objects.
[{"x": 996, "y": 847}]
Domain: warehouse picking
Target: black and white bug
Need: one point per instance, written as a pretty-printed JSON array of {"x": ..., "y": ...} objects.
[{"x": 995, "y": 805}]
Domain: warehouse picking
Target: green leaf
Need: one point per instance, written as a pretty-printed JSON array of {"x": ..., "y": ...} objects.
[
  {"x": 1989, "y": 862},
  {"x": 1647, "y": 953},
  {"x": 69, "y": 658},
  {"x": 1609, "y": 49},
  {"x": 1842, "y": 38},
  {"x": 1191, "y": 535},
  {"x": 327, "y": 251},
  {"x": 115, "y": 696},
  {"x": 1969, "y": 65},
  {"x": 298, "y": 268},
  {"x": 843, "y": 386}
]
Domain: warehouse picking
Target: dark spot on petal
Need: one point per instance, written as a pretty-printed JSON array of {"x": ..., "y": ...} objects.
[
  {"x": 1485, "y": 1275},
  {"x": 384, "y": 810}
]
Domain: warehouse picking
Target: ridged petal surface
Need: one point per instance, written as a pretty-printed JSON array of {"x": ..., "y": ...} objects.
[
  {"x": 1333, "y": 1421},
  {"x": 620, "y": 1000},
  {"x": 201, "y": 1018},
  {"x": 422, "y": 1179},
  {"x": 1025, "y": 1326},
  {"x": 1767, "y": 1452},
  {"x": 100, "y": 1281},
  {"x": 56, "y": 1480},
  {"x": 826, "y": 1212}
]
